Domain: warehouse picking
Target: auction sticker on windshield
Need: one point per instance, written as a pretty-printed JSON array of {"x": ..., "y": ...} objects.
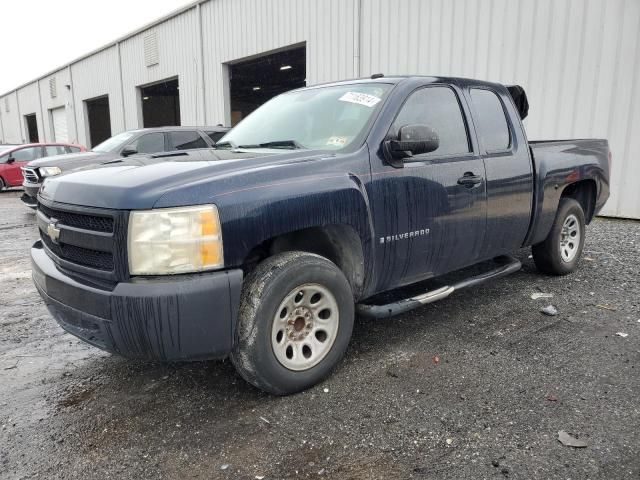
[{"x": 360, "y": 98}]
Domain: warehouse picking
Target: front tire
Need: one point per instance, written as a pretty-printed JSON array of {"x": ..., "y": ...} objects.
[
  {"x": 560, "y": 252},
  {"x": 295, "y": 321},
  {"x": 2, "y": 185}
]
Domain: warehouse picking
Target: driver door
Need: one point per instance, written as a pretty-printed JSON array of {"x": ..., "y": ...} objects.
[{"x": 430, "y": 214}]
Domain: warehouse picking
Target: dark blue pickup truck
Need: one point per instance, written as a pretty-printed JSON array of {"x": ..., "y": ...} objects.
[{"x": 265, "y": 248}]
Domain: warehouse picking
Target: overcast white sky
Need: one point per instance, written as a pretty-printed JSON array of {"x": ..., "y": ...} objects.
[{"x": 40, "y": 35}]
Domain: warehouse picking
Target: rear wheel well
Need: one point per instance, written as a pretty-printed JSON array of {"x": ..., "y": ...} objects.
[
  {"x": 584, "y": 192},
  {"x": 339, "y": 243}
]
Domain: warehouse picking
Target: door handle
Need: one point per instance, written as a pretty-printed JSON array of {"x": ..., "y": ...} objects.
[{"x": 469, "y": 180}]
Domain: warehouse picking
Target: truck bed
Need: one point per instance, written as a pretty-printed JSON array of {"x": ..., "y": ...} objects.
[{"x": 558, "y": 163}]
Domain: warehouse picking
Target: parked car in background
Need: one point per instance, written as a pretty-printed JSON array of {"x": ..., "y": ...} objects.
[
  {"x": 13, "y": 157},
  {"x": 145, "y": 140},
  {"x": 320, "y": 199}
]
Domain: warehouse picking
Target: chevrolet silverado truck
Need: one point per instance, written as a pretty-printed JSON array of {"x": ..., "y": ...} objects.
[{"x": 323, "y": 199}]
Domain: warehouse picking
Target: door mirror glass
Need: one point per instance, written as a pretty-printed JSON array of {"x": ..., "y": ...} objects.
[
  {"x": 126, "y": 151},
  {"x": 412, "y": 140}
]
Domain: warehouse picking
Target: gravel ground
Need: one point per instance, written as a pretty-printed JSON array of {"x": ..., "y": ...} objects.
[{"x": 475, "y": 386}]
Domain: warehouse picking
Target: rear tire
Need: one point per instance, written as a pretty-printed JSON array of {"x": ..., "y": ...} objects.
[
  {"x": 2, "y": 185},
  {"x": 294, "y": 323},
  {"x": 560, "y": 252}
]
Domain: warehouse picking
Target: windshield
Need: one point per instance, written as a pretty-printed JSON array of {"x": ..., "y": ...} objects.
[
  {"x": 328, "y": 118},
  {"x": 113, "y": 143}
]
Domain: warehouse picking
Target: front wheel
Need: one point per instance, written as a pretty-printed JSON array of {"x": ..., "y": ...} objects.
[
  {"x": 560, "y": 252},
  {"x": 295, "y": 321},
  {"x": 2, "y": 185}
]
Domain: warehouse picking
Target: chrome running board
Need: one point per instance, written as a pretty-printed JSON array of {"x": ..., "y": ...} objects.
[{"x": 508, "y": 266}]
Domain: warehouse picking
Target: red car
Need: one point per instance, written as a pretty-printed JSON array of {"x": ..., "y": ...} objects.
[{"x": 12, "y": 157}]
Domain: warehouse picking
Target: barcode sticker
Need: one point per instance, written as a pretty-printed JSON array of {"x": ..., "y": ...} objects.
[{"x": 360, "y": 98}]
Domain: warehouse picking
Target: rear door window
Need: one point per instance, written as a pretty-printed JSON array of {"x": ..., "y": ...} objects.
[
  {"x": 215, "y": 136},
  {"x": 438, "y": 108},
  {"x": 52, "y": 150},
  {"x": 73, "y": 149},
  {"x": 493, "y": 128},
  {"x": 186, "y": 140}
]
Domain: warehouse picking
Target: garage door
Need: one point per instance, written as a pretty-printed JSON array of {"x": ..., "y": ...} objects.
[{"x": 59, "y": 117}]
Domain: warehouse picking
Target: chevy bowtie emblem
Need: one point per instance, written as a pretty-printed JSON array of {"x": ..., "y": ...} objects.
[{"x": 53, "y": 231}]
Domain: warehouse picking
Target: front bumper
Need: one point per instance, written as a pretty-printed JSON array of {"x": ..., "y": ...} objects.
[
  {"x": 31, "y": 189},
  {"x": 183, "y": 317},
  {"x": 29, "y": 201}
]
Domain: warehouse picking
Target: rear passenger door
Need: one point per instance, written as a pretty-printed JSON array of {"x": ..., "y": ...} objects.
[
  {"x": 508, "y": 169},
  {"x": 186, "y": 140},
  {"x": 430, "y": 214}
]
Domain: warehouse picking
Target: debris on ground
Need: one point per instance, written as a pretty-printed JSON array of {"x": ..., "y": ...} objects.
[
  {"x": 607, "y": 307},
  {"x": 569, "y": 441},
  {"x": 589, "y": 259},
  {"x": 550, "y": 310},
  {"x": 537, "y": 295},
  {"x": 224, "y": 467},
  {"x": 552, "y": 398},
  {"x": 436, "y": 360},
  {"x": 622, "y": 334}
]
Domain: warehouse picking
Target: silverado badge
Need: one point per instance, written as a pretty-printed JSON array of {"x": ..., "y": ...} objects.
[{"x": 53, "y": 231}]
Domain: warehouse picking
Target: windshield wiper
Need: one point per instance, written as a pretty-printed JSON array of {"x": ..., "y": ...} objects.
[{"x": 285, "y": 144}]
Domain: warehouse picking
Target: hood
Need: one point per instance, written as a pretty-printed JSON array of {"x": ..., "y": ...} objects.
[
  {"x": 138, "y": 182},
  {"x": 71, "y": 161}
]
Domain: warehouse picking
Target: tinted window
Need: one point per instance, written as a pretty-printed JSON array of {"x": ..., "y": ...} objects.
[
  {"x": 27, "y": 154},
  {"x": 215, "y": 136},
  {"x": 186, "y": 140},
  {"x": 438, "y": 108},
  {"x": 73, "y": 149},
  {"x": 54, "y": 150},
  {"x": 149, "y": 143},
  {"x": 493, "y": 128}
]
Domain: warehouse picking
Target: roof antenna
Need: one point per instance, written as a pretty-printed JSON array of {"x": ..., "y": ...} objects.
[{"x": 377, "y": 75}]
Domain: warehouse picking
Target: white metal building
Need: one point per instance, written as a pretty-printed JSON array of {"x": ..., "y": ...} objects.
[{"x": 579, "y": 61}]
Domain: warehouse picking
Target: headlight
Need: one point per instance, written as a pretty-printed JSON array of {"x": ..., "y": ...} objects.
[
  {"x": 49, "y": 171},
  {"x": 175, "y": 240}
]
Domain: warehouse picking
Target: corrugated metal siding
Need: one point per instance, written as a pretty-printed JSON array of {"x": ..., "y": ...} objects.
[
  {"x": 236, "y": 29},
  {"x": 63, "y": 99},
  {"x": 177, "y": 57},
  {"x": 93, "y": 77},
  {"x": 10, "y": 120},
  {"x": 579, "y": 61}
]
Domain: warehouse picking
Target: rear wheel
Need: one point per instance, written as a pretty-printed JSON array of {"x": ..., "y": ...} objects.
[
  {"x": 2, "y": 185},
  {"x": 295, "y": 321},
  {"x": 560, "y": 252}
]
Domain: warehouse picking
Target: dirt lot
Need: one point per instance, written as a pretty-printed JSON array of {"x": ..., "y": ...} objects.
[{"x": 476, "y": 386}]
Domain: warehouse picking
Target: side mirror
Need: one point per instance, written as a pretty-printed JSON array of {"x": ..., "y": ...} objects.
[
  {"x": 11, "y": 160},
  {"x": 412, "y": 140},
  {"x": 127, "y": 151}
]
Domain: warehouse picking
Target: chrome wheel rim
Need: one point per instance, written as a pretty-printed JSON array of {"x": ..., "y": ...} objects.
[
  {"x": 305, "y": 327},
  {"x": 570, "y": 238}
]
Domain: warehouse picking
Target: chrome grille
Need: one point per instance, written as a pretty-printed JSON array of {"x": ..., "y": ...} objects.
[{"x": 31, "y": 175}]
